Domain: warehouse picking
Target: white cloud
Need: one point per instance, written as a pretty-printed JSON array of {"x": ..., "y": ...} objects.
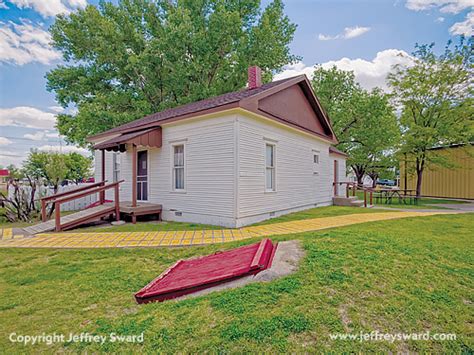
[
  {"x": 449, "y": 7},
  {"x": 56, "y": 108},
  {"x": 64, "y": 149},
  {"x": 25, "y": 116},
  {"x": 465, "y": 28},
  {"x": 369, "y": 73},
  {"x": 48, "y": 8},
  {"x": 8, "y": 157},
  {"x": 3, "y": 5},
  {"x": 37, "y": 136},
  {"x": 5, "y": 141},
  {"x": 52, "y": 134},
  {"x": 440, "y": 19},
  {"x": 41, "y": 135},
  {"x": 349, "y": 32},
  {"x": 25, "y": 43},
  {"x": 445, "y": 6}
]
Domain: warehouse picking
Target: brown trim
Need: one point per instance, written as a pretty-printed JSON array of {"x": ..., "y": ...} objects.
[
  {"x": 335, "y": 151},
  {"x": 134, "y": 175},
  {"x": 340, "y": 154},
  {"x": 102, "y": 193},
  {"x": 149, "y": 137}
]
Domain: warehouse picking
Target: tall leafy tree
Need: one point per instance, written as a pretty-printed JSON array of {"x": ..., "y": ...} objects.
[
  {"x": 137, "y": 57},
  {"x": 364, "y": 122},
  {"x": 436, "y": 97},
  {"x": 78, "y": 167},
  {"x": 48, "y": 166}
]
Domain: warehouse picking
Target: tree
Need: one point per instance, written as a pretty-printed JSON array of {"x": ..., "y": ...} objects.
[
  {"x": 14, "y": 172},
  {"x": 35, "y": 165},
  {"x": 364, "y": 122},
  {"x": 337, "y": 91},
  {"x": 56, "y": 169},
  {"x": 78, "y": 167},
  {"x": 138, "y": 57},
  {"x": 435, "y": 95},
  {"x": 49, "y": 166}
]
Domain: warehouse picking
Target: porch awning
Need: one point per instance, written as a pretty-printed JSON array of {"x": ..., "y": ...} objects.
[{"x": 149, "y": 138}]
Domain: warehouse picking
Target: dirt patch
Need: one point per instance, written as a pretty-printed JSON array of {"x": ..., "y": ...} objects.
[{"x": 344, "y": 314}]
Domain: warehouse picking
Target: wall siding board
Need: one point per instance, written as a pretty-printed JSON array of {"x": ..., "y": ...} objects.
[{"x": 457, "y": 182}]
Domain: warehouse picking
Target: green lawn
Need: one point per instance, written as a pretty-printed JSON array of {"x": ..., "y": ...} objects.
[{"x": 409, "y": 275}]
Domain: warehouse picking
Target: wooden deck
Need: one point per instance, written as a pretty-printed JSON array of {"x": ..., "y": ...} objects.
[{"x": 141, "y": 209}]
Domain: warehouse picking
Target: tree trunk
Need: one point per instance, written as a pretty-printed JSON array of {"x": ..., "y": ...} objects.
[
  {"x": 420, "y": 165},
  {"x": 374, "y": 178},
  {"x": 359, "y": 173},
  {"x": 419, "y": 179}
]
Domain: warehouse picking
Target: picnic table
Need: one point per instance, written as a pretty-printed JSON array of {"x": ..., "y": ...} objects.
[{"x": 386, "y": 196}]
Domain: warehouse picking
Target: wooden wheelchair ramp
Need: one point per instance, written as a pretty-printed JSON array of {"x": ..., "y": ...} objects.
[
  {"x": 59, "y": 223},
  {"x": 73, "y": 219}
]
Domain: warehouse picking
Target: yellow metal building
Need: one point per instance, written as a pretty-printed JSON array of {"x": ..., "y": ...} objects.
[{"x": 446, "y": 182}]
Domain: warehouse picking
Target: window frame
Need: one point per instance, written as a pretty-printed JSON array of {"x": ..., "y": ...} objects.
[
  {"x": 116, "y": 173},
  {"x": 316, "y": 165},
  {"x": 147, "y": 171},
  {"x": 267, "y": 168},
  {"x": 174, "y": 167}
]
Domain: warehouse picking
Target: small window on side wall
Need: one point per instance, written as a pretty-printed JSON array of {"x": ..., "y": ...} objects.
[
  {"x": 270, "y": 169},
  {"x": 315, "y": 162},
  {"x": 178, "y": 167},
  {"x": 315, "y": 158}
]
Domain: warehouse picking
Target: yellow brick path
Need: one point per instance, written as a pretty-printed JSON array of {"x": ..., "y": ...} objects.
[{"x": 191, "y": 237}]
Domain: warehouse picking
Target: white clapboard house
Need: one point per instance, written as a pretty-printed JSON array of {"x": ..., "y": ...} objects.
[{"x": 230, "y": 160}]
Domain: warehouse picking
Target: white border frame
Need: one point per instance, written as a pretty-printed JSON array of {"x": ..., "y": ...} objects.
[
  {"x": 273, "y": 143},
  {"x": 174, "y": 144}
]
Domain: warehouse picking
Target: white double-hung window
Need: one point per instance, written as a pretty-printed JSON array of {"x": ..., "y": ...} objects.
[
  {"x": 116, "y": 162},
  {"x": 270, "y": 167},
  {"x": 178, "y": 168}
]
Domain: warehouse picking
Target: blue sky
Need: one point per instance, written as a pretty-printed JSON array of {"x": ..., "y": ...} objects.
[{"x": 366, "y": 36}]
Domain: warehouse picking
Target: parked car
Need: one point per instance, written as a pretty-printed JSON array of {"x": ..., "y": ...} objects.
[{"x": 385, "y": 182}]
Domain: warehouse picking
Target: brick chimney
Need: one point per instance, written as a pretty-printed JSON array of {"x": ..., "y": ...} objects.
[{"x": 254, "y": 77}]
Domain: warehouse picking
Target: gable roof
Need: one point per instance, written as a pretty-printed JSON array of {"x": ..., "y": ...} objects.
[{"x": 246, "y": 99}]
